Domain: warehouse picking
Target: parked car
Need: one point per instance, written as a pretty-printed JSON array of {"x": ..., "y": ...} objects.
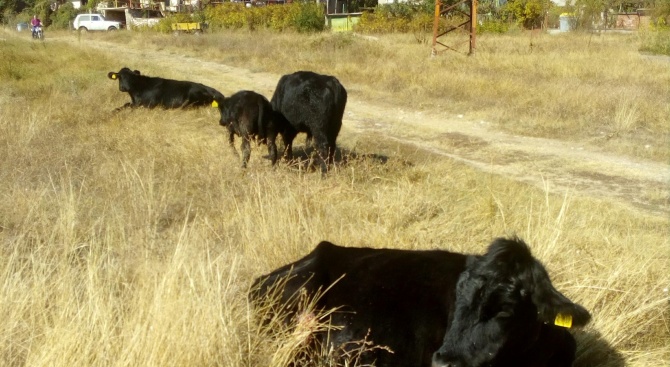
[{"x": 94, "y": 22}]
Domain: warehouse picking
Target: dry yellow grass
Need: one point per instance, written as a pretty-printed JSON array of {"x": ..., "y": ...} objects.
[
  {"x": 582, "y": 87},
  {"x": 130, "y": 239}
]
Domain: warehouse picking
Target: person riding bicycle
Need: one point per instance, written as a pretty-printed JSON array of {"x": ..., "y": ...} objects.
[{"x": 35, "y": 22}]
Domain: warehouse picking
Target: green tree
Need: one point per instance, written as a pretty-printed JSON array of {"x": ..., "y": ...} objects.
[
  {"x": 9, "y": 9},
  {"x": 63, "y": 16}
]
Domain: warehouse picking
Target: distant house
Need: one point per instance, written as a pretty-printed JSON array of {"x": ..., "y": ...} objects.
[{"x": 632, "y": 20}]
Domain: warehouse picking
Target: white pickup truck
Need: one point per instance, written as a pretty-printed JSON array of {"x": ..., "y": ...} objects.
[{"x": 94, "y": 22}]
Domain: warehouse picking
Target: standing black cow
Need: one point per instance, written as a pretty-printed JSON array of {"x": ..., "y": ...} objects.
[
  {"x": 435, "y": 308},
  {"x": 314, "y": 104},
  {"x": 150, "y": 92},
  {"x": 250, "y": 116}
]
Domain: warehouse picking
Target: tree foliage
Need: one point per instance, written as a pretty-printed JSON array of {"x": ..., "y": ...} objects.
[
  {"x": 61, "y": 18},
  {"x": 299, "y": 16},
  {"x": 527, "y": 13}
]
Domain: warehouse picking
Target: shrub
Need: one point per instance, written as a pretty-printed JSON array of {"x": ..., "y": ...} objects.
[
  {"x": 301, "y": 17},
  {"x": 310, "y": 17},
  {"x": 402, "y": 19},
  {"x": 528, "y": 13},
  {"x": 493, "y": 26},
  {"x": 165, "y": 24},
  {"x": 385, "y": 19},
  {"x": 656, "y": 40}
]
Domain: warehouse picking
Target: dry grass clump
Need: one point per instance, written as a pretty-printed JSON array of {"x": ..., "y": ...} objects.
[
  {"x": 131, "y": 238},
  {"x": 583, "y": 87}
]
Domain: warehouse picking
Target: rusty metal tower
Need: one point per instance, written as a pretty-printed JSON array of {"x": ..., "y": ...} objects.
[{"x": 469, "y": 25}]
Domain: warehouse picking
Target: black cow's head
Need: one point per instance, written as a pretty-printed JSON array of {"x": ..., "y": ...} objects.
[
  {"x": 125, "y": 77},
  {"x": 225, "y": 109},
  {"x": 502, "y": 300}
]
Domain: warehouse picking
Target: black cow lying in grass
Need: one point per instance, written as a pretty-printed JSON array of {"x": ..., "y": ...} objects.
[
  {"x": 249, "y": 115},
  {"x": 314, "y": 104},
  {"x": 150, "y": 92},
  {"x": 434, "y": 308}
]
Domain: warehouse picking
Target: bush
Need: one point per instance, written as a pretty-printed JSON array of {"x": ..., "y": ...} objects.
[
  {"x": 310, "y": 18},
  {"x": 656, "y": 40},
  {"x": 396, "y": 18},
  {"x": 381, "y": 23},
  {"x": 493, "y": 26},
  {"x": 402, "y": 18},
  {"x": 165, "y": 24},
  {"x": 301, "y": 17},
  {"x": 527, "y": 13}
]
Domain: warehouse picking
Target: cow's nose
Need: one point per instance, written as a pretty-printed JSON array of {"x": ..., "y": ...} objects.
[
  {"x": 444, "y": 364},
  {"x": 439, "y": 360}
]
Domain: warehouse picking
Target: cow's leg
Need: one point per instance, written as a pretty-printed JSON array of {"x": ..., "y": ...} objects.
[
  {"x": 308, "y": 140},
  {"x": 332, "y": 146},
  {"x": 272, "y": 148},
  {"x": 246, "y": 151},
  {"x": 288, "y": 137},
  {"x": 127, "y": 105},
  {"x": 231, "y": 142},
  {"x": 323, "y": 151}
]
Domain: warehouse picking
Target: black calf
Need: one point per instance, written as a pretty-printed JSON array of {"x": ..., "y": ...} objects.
[{"x": 249, "y": 115}]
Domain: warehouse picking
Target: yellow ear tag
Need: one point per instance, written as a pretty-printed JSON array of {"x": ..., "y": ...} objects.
[
  {"x": 113, "y": 76},
  {"x": 563, "y": 320},
  {"x": 214, "y": 104}
]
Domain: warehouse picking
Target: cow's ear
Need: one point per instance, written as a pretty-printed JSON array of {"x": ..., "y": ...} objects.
[
  {"x": 112, "y": 75},
  {"x": 136, "y": 72},
  {"x": 555, "y": 308}
]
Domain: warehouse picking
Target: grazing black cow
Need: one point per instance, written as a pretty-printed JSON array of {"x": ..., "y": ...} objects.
[
  {"x": 146, "y": 91},
  {"x": 314, "y": 104},
  {"x": 435, "y": 308},
  {"x": 250, "y": 116}
]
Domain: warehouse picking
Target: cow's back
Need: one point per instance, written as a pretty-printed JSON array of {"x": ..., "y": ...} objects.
[
  {"x": 395, "y": 298},
  {"x": 311, "y": 102},
  {"x": 152, "y": 92}
]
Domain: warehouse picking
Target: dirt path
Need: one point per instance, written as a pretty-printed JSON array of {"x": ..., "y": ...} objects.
[{"x": 554, "y": 164}]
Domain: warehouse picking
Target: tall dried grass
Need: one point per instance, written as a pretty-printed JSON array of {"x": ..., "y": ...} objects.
[
  {"x": 132, "y": 238},
  {"x": 568, "y": 86}
]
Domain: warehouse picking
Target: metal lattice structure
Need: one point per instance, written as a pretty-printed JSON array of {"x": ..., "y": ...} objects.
[{"x": 469, "y": 25}]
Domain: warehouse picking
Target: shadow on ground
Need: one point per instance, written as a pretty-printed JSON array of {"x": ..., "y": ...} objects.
[
  {"x": 306, "y": 158},
  {"x": 594, "y": 351}
]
